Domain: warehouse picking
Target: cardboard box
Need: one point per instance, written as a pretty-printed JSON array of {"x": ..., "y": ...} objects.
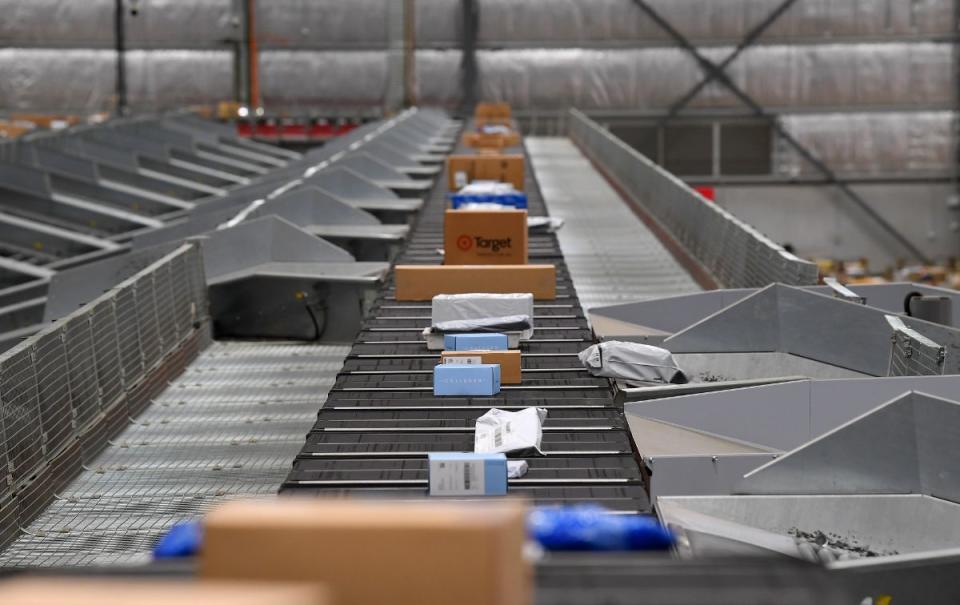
[
  {"x": 487, "y": 113},
  {"x": 467, "y": 474},
  {"x": 423, "y": 282},
  {"x": 509, "y": 362},
  {"x": 488, "y": 167},
  {"x": 481, "y": 380},
  {"x": 485, "y": 341},
  {"x": 492, "y": 140},
  {"x": 485, "y": 237},
  {"x": 402, "y": 553},
  {"x": 106, "y": 591}
]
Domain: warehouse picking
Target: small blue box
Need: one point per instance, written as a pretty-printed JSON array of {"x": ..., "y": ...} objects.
[
  {"x": 467, "y": 474},
  {"x": 481, "y": 379},
  {"x": 477, "y": 341}
]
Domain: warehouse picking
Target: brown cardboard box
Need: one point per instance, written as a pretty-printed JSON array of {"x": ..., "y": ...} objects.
[
  {"x": 492, "y": 113},
  {"x": 86, "y": 591},
  {"x": 509, "y": 362},
  {"x": 375, "y": 552},
  {"x": 496, "y": 140},
  {"x": 423, "y": 282},
  {"x": 485, "y": 237},
  {"x": 487, "y": 167}
]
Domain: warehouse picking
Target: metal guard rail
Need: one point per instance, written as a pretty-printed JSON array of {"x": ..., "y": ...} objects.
[
  {"x": 736, "y": 254},
  {"x": 67, "y": 389}
]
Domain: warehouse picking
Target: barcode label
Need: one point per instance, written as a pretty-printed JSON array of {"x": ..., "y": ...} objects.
[
  {"x": 457, "y": 478},
  {"x": 463, "y": 360},
  {"x": 497, "y": 437}
]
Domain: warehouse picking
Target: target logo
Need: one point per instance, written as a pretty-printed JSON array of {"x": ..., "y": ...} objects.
[{"x": 464, "y": 242}]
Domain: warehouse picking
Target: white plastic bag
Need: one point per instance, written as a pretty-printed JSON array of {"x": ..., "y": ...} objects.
[
  {"x": 510, "y": 432},
  {"x": 632, "y": 362},
  {"x": 482, "y": 305}
]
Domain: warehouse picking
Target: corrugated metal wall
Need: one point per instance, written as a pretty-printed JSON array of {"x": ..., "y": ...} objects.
[{"x": 886, "y": 65}]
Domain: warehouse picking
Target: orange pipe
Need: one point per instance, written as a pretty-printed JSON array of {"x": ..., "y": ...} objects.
[{"x": 253, "y": 60}]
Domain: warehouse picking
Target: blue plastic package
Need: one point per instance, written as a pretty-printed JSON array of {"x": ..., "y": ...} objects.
[
  {"x": 182, "y": 540},
  {"x": 592, "y": 527},
  {"x": 514, "y": 200}
]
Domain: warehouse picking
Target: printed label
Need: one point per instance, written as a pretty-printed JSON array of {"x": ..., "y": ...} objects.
[
  {"x": 457, "y": 478},
  {"x": 463, "y": 361}
]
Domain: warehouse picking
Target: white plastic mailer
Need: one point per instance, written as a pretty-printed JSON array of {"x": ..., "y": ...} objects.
[
  {"x": 452, "y": 307},
  {"x": 510, "y": 432},
  {"x": 632, "y": 362}
]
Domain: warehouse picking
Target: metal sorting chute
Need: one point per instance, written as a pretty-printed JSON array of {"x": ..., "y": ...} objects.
[
  {"x": 877, "y": 499},
  {"x": 703, "y": 443},
  {"x": 780, "y": 331},
  {"x": 88, "y": 196}
]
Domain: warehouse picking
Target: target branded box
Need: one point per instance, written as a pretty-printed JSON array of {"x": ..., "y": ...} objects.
[{"x": 485, "y": 237}]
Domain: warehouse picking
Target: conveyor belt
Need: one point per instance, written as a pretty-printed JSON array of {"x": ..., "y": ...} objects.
[
  {"x": 613, "y": 257},
  {"x": 381, "y": 418}
]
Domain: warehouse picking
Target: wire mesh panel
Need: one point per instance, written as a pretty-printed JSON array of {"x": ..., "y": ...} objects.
[
  {"x": 912, "y": 353},
  {"x": 736, "y": 254},
  {"x": 61, "y": 391},
  {"x": 163, "y": 292},
  {"x": 20, "y": 408},
  {"x": 103, "y": 323},
  {"x": 147, "y": 319},
  {"x": 82, "y": 373},
  {"x": 128, "y": 336},
  {"x": 197, "y": 280},
  {"x": 180, "y": 292},
  {"x": 53, "y": 389}
]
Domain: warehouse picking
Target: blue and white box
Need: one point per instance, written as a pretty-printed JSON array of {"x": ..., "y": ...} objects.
[
  {"x": 477, "y": 341},
  {"x": 467, "y": 474},
  {"x": 479, "y": 380}
]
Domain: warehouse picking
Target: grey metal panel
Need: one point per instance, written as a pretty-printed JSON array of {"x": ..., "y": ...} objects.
[
  {"x": 348, "y": 185},
  {"x": 751, "y": 324},
  {"x": 905, "y": 446},
  {"x": 193, "y": 224},
  {"x": 700, "y": 475},
  {"x": 261, "y": 241},
  {"x": 835, "y": 402},
  {"x": 371, "y": 167},
  {"x": 71, "y": 288},
  {"x": 306, "y": 206},
  {"x": 776, "y": 416}
]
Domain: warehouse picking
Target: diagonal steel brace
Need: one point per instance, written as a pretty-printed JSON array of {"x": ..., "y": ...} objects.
[{"x": 715, "y": 72}]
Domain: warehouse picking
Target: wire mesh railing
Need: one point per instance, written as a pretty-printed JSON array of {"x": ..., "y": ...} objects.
[
  {"x": 736, "y": 254},
  {"x": 64, "y": 390},
  {"x": 912, "y": 353}
]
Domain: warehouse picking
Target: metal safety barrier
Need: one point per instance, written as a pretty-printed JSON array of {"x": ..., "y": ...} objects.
[
  {"x": 736, "y": 254},
  {"x": 912, "y": 353},
  {"x": 65, "y": 391}
]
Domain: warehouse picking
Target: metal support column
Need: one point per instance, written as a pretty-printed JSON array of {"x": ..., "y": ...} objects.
[
  {"x": 119, "y": 29},
  {"x": 468, "y": 66}
]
